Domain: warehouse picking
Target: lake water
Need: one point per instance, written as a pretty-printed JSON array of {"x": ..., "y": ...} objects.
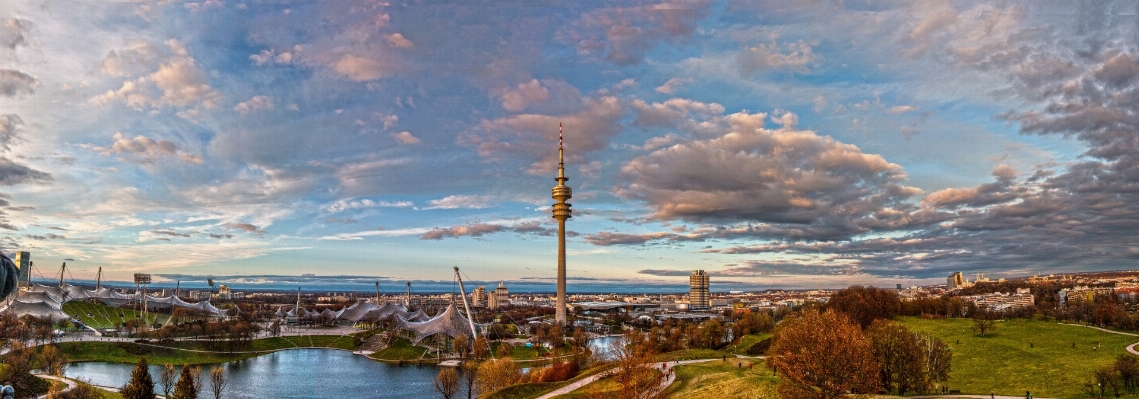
[
  {"x": 304, "y": 373},
  {"x": 296, "y": 373}
]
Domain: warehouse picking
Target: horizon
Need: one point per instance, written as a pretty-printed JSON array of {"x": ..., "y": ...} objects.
[{"x": 768, "y": 144}]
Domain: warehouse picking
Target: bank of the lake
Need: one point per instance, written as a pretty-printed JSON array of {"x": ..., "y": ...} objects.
[{"x": 194, "y": 352}]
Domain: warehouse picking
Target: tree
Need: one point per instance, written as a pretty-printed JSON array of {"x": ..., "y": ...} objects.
[
  {"x": 141, "y": 386},
  {"x": 505, "y": 349},
  {"x": 866, "y": 304},
  {"x": 481, "y": 349},
  {"x": 497, "y": 374},
  {"x": 1128, "y": 369},
  {"x": 447, "y": 382},
  {"x": 1107, "y": 378},
  {"x": 185, "y": 388},
  {"x": 938, "y": 359},
  {"x": 470, "y": 370},
  {"x": 461, "y": 346},
  {"x": 218, "y": 380},
  {"x": 166, "y": 379},
  {"x": 634, "y": 371},
  {"x": 52, "y": 361},
  {"x": 82, "y": 391},
  {"x": 823, "y": 356},
  {"x": 984, "y": 320},
  {"x": 196, "y": 374}
]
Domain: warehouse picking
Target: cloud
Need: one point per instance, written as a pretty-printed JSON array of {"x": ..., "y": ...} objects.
[
  {"x": 254, "y": 104},
  {"x": 12, "y": 173},
  {"x": 344, "y": 205},
  {"x": 14, "y": 83},
  {"x": 246, "y": 227},
  {"x": 361, "y": 69},
  {"x": 671, "y": 85},
  {"x": 527, "y": 93},
  {"x": 670, "y": 112},
  {"x": 460, "y": 202},
  {"x": 10, "y": 125},
  {"x": 405, "y": 138},
  {"x": 177, "y": 83},
  {"x": 901, "y": 109},
  {"x": 398, "y": 41},
  {"x": 606, "y": 238},
  {"x": 480, "y": 229},
  {"x": 533, "y": 137},
  {"x": 13, "y": 33},
  {"x": 135, "y": 58},
  {"x": 142, "y": 149},
  {"x": 793, "y": 181},
  {"x": 623, "y": 35},
  {"x": 799, "y": 58},
  {"x": 267, "y": 57}
]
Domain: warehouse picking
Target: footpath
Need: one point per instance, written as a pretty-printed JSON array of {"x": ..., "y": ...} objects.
[{"x": 663, "y": 367}]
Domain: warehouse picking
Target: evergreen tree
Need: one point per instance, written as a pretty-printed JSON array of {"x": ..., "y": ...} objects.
[
  {"x": 184, "y": 389},
  {"x": 141, "y": 385}
]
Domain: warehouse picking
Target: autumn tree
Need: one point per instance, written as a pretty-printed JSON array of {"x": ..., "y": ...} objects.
[
  {"x": 1128, "y": 369},
  {"x": 937, "y": 360},
  {"x": 141, "y": 386},
  {"x": 480, "y": 349},
  {"x": 185, "y": 388},
  {"x": 497, "y": 374},
  {"x": 634, "y": 371},
  {"x": 866, "y": 304},
  {"x": 823, "y": 356},
  {"x": 52, "y": 360},
  {"x": 470, "y": 372},
  {"x": 447, "y": 382},
  {"x": 461, "y": 346}
]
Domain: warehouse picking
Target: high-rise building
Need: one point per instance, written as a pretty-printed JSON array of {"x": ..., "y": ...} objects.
[
  {"x": 699, "y": 297},
  {"x": 499, "y": 298},
  {"x": 478, "y": 296},
  {"x": 954, "y": 281},
  {"x": 24, "y": 262}
]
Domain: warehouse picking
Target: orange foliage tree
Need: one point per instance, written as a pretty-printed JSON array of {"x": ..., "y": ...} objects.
[{"x": 823, "y": 356}]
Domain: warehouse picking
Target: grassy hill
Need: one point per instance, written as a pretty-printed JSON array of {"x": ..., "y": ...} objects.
[{"x": 1049, "y": 359}]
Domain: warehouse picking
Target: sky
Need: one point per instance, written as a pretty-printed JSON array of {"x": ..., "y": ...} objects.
[{"x": 773, "y": 144}]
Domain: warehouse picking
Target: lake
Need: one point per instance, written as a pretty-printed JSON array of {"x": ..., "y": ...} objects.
[{"x": 296, "y": 373}]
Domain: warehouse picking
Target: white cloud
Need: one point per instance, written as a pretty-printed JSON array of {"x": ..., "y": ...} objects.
[
  {"x": 176, "y": 83},
  {"x": 460, "y": 202},
  {"x": 256, "y": 103},
  {"x": 405, "y": 138},
  {"x": 901, "y": 109},
  {"x": 361, "y": 69},
  {"x": 398, "y": 41},
  {"x": 671, "y": 85}
]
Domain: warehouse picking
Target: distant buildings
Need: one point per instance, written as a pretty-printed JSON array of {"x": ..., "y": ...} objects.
[
  {"x": 1081, "y": 294},
  {"x": 955, "y": 281},
  {"x": 24, "y": 262},
  {"x": 499, "y": 298},
  {"x": 478, "y": 297},
  {"x": 1001, "y": 302},
  {"x": 699, "y": 297}
]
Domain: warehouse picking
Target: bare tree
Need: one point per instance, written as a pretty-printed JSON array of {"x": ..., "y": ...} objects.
[
  {"x": 166, "y": 378},
  {"x": 447, "y": 382},
  {"x": 196, "y": 373},
  {"x": 218, "y": 379},
  {"x": 470, "y": 371},
  {"x": 984, "y": 320}
]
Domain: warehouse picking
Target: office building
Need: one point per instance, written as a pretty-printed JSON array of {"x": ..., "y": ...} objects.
[
  {"x": 699, "y": 297},
  {"x": 24, "y": 263}
]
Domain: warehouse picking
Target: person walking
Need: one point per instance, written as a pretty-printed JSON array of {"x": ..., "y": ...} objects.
[{"x": 992, "y": 395}]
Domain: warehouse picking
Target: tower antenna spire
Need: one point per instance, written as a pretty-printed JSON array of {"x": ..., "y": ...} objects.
[{"x": 561, "y": 158}]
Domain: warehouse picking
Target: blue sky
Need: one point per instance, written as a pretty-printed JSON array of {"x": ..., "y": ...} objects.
[{"x": 772, "y": 144}]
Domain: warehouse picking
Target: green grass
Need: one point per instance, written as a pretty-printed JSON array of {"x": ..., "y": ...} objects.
[
  {"x": 724, "y": 380},
  {"x": 129, "y": 353},
  {"x": 524, "y": 391},
  {"x": 401, "y": 349},
  {"x": 102, "y": 317},
  {"x": 745, "y": 342},
  {"x": 1003, "y": 361},
  {"x": 688, "y": 354}
]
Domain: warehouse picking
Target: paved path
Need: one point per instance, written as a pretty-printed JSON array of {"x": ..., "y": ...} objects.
[
  {"x": 588, "y": 380},
  {"x": 971, "y": 397},
  {"x": 70, "y": 384}
]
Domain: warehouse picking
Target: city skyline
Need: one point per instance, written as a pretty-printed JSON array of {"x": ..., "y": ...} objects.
[{"x": 771, "y": 145}]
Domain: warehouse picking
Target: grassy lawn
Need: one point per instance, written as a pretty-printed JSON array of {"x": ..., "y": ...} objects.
[
  {"x": 740, "y": 348},
  {"x": 129, "y": 353},
  {"x": 688, "y": 354},
  {"x": 402, "y": 349},
  {"x": 1023, "y": 355},
  {"x": 102, "y": 316},
  {"x": 723, "y": 380}
]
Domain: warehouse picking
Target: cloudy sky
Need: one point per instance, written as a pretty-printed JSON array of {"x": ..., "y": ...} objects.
[{"x": 772, "y": 143}]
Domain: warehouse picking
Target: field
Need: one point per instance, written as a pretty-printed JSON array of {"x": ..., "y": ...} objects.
[
  {"x": 724, "y": 380},
  {"x": 102, "y": 317},
  {"x": 1048, "y": 359},
  {"x": 740, "y": 348},
  {"x": 402, "y": 349}
]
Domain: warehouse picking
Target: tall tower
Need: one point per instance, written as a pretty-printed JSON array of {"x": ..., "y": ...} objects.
[
  {"x": 698, "y": 294},
  {"x": 24, "y": 263},
  {"x": 561, "y": 193}
]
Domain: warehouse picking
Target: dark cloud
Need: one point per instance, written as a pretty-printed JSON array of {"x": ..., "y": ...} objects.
[
  {"x": 13, "y": 33},
  {"x": 246, "y": 227},
  {"x": 480, "y": 229},
  {"x": 14, "y": 83},
  {"x": 170, "y": 233},
  {"x": 220, "y": 236},
  {"x": 12, "y": 173},
  {"x": 10, "y": 124}
]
